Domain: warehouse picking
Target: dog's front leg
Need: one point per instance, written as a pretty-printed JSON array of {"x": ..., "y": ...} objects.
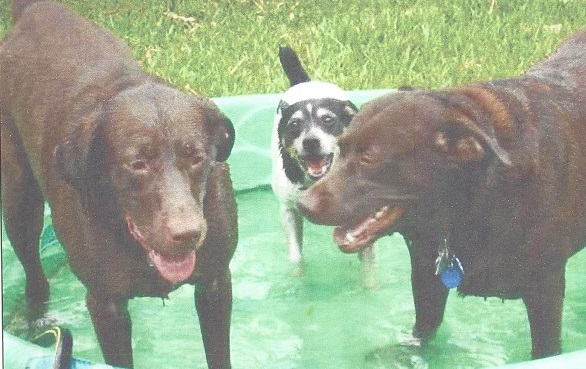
[
  {"x": 293, "y": 225},
  {"x": 214, "y": 308},
  {"x": 429, "y": 295},
  {"x": 367, "y": 258},
  {"x": 113, "y": 327},
  {"x": 544, "y": 302}
]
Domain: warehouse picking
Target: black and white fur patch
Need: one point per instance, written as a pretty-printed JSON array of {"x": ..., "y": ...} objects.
[
  {"x": 307, "y": 132},
  {"x": 310, "y": 117}
]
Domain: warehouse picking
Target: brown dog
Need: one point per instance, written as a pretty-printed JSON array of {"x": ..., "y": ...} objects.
[
  {"x": 491, "y": 173},
  {"x": 132, "y": 170}
]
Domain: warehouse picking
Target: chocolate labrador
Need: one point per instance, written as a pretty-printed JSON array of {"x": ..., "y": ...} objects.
[
  {"x": 132, "y": 169},
  {"x": 487, "y": 183}
]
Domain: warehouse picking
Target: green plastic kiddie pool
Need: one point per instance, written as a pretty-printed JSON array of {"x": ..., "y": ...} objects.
[{"x": 321, "y": 319}]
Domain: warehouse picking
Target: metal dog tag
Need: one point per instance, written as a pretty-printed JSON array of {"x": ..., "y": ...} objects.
[
  {"x": 442, "y": 261},
  {"x": 449, "y": 268}
]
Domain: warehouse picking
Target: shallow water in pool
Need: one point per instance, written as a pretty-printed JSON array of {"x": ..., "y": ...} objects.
[{"x": 322, "y": 319}]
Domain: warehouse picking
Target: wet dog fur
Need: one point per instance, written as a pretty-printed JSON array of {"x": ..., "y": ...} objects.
[
  {"x": 495, "y": 172},
  {"x": 133, "y": 170}
]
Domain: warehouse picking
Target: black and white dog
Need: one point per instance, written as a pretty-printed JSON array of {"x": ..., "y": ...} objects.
[{"x": 310, "y": 117}]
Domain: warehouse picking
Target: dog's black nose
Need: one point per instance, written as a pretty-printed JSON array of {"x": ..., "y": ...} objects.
[
  {"x": 183, "y": 232},
  {"x": 189, "y": 235},
  {"x": 311, "y": 144}
]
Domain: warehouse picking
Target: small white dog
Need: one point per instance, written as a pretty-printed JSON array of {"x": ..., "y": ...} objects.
[{"x": 310, "y": 117}]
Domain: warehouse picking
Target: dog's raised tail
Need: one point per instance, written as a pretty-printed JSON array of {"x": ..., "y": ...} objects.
[
  {"x": 292, "y": 66},
  {"x": 18, "y": 6}
]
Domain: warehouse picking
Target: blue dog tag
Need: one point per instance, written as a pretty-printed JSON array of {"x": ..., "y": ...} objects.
[
  {"x": 449, "y": 268},
  {"x": 452, "y": 276}
]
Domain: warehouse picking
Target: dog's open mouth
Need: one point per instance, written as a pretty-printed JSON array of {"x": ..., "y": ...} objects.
[
  {"x": 173, "y": 268},
  {"x": 316, "y": 166},
  {"x": 367, "y": 230}
]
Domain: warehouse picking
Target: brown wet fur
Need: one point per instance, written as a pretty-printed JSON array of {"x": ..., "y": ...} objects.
[
  {"x": 496, "y": 169},
  {"x": 86, "y": 130}
]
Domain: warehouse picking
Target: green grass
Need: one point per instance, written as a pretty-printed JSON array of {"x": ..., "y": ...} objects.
[{"x": 229, "y": 47}]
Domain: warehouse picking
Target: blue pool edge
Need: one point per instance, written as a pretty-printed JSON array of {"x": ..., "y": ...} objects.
[{"x": 19, "y": 354}]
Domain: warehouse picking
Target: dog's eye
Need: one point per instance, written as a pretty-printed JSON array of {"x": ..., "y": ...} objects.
[
  {"x": 295, "y": 123},
  {"x": 328, "y": 119},
  {"x": 197, "y": 160},
  {"x": 186, "y": 149},
  {"x": 138, "y": 165},
  {"x": 189, "y": 152},
  {"x": 148, "y": 151},
  {"x": 366, "y": 158},
  {"x": 365, "y": 155}
]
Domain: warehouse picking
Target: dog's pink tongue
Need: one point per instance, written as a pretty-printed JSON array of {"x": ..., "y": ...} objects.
[
  {"x": 174, "y": 269},
  {"x": 317, "y": 167}
]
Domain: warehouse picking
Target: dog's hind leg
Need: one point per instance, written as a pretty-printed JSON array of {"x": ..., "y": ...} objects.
[
  {"x": 23, "y": 208},
  {"x": 293, "y": 225},
  {"x": 367, "y": 258}
]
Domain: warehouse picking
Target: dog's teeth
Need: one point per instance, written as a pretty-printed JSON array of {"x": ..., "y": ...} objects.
[
  {"x": 152, "y": 255},
  {"x": 350, "y": 238},
  {"x": 381, "y": 212}
]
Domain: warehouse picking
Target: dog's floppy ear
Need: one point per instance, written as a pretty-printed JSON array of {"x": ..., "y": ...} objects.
[
  {"x": 282, "y": 106},
  {"x": 78, "y": 159},
  {"x": 220, "y": 130},
  {"x": 464, "y": 141},
  {"x": 225, "y": 136},
  {"x": 350, "y": 111}
]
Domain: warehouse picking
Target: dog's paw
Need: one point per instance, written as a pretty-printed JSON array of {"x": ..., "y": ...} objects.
[
  {"x": 29, "y": 320},
  {"x": 298, "y": 268},
  {"x": 402, "y": 356},
  {"x": 297, "y": 263}
]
